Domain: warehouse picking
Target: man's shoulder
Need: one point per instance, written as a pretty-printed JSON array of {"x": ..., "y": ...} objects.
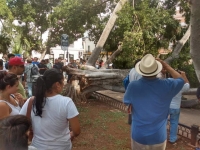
[
  {"x": 28, "y": 65},
  {"x": 60, "y": 64},
  {"x": 177, "y": 80},
  {"x": 40, "y": 65},
  {"x": 186, "y": 87}
]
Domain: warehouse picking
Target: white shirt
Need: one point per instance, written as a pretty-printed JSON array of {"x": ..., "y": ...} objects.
[
  {"x": 134, "y": 75},
  {"x": 52, "y": 132},
  {"x": 176, "y": 101},
  {"x": 15, "y": 109}
]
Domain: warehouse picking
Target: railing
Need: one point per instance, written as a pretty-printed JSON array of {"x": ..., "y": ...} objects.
[
  {"x": 183, "y": 130},
  {"x": 110, "y": 101}
]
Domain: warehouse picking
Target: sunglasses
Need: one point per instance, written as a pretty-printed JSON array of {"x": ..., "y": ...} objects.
[{"x": 21, "y": 66}]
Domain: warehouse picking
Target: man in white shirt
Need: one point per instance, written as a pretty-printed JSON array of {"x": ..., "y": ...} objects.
[{"x": 174, "y": 111}]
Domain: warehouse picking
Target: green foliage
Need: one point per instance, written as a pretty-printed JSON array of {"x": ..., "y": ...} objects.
[
  {"x": 146, "y": 29},
  {"x": 184, "y": 63},
  {"x": 4, "y": 43},
  {"x": 74, "y": 17},
  {"x": 34, "y": 14},
  {"x": 5, "y": 12}
]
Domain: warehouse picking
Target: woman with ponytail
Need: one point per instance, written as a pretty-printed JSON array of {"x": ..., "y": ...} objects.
[{"x": 52, "y": 114}]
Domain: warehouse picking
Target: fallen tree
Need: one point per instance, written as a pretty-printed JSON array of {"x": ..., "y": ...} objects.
[
  {"x": 89, "y": 79},
  {"x": 84, "y": 82}
]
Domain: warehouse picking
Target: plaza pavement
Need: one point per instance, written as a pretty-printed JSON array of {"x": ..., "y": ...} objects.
[{"x": 188, "y": 116}]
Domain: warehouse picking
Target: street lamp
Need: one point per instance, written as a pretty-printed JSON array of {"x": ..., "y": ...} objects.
[{"x": 65, "y": 44}]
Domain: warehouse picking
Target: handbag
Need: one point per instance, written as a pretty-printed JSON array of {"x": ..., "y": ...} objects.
[{"x": 28, "y": 114}]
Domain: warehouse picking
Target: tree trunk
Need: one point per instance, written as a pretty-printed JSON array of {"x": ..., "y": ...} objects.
[
  {"x": 95, "y": 53},
  {"x": 195, "y": 36},
  {"x": 112, "y": 57},
  {"x": 43, "y": 55},
  {"x": 179, "y": 46}
]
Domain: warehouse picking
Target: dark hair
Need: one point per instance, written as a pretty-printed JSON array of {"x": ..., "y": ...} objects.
[
  {"x": 47, "y": 60},
  {"x": 29, "y": 60},
  {"x": 1, "y": 62},
  {"x": 44, "y": 84},
  {"x": 10, "y": 55},
  {"x": 43, "y": 61},
  {"x": 7, "y": 79},
  {"x": 13, "y": 132}
]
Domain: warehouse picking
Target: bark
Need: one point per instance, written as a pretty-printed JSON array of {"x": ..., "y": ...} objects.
[
  {"x": 179, "y": 46},
  {"x": 191, "y": 91},
  {"x": 87, "y": 81},
  {"x": 195, "y": 36},
  {"x": 112, "y": 57},
  {"x": 95, "y": 53},
  {"x": 43, "y": 54}
]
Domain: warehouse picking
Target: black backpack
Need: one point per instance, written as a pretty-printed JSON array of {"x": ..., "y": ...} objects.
[
  {"x": 34, "y": 73},
  {"x": 34, "y": 70}
]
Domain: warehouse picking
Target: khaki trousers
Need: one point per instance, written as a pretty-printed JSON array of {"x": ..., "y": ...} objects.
[{"x": 138, "y": 146}]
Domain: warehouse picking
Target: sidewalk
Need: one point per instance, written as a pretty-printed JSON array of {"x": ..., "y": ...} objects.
[{"x": 188, "y": 116}]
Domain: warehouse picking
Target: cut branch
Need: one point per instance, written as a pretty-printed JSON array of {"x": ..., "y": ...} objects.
[
  {"x": 95, "y": 53},
  {"x": 179, "y": 46},
  {"x": 112, "y": 57}
]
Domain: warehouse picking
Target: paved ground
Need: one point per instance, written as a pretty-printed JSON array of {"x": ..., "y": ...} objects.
[{"x": 188, "y": 116}]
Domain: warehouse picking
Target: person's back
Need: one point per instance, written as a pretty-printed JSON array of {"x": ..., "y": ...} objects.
[
  {"x": 42, "y": 67},
  {"x": 133, "y": 74},
  {"x": 176, "y": 101},
  {"x": 174, "y": 111},
  {"x": 29, "y": 76},
  {"x": 150, "y": 102},
  {"x": 52, "y": 129},
  {"x": 52, "y": 113},
  {"x": 150, "y": 98}
]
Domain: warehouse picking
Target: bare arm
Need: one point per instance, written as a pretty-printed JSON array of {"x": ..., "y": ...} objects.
[
  {"x": 170, "y": 70},
  {"x": 20, "y": 99},
  {"x": 75, "y": 126},
  {"x": 25, "y": 77},
  {"x": 4, "y": 110},
  {"x": 184, "y": 76}
]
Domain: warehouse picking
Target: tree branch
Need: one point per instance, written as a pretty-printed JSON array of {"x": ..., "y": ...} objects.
[
  {"x": 179, "y": 46},
  {"x": 95, "y": 53},
  {"x": 113, "y": 56}
]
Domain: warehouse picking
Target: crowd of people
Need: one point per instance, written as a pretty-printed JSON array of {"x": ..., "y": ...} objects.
[
  {"x": 22, "y": 114},
  {"x": 50, "y": 121}
]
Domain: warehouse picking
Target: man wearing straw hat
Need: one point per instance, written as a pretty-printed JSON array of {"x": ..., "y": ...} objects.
[{"x": 150, "y": 98}]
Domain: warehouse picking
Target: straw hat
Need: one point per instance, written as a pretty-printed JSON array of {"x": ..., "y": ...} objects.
[{"x": 148, "y": 66}]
